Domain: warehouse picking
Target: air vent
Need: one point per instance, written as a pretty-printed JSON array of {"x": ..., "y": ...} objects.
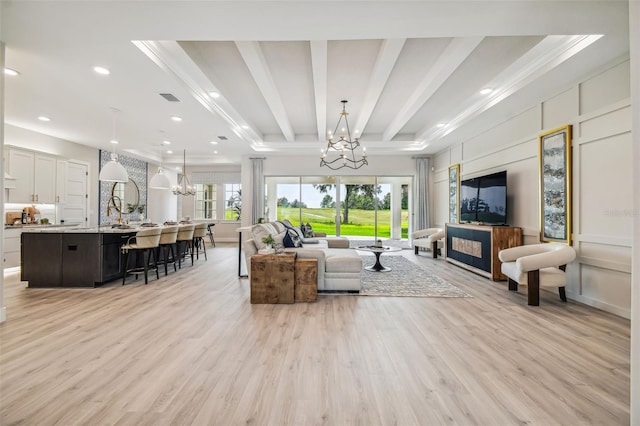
[
  {"x": 223, "y": 138},
  {"x": 169, "y": 97}
]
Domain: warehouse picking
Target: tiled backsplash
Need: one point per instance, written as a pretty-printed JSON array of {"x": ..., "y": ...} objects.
[{"x": 137, "y": 170}]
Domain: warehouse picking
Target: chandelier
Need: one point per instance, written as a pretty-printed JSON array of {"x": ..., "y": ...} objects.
[
  {"x": 342, "y": 153},
  {"x": 184, "y": 186}
]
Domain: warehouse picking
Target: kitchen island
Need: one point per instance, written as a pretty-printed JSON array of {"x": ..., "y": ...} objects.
[{"x": 72, "y": 256}]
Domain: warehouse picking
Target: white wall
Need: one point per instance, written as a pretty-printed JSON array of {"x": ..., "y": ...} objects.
[
  {"x": 162, "y": 205},
  {"x": 599, "y": 110}
]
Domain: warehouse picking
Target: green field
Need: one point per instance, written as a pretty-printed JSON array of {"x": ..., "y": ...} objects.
[{"x": 361, "y": 222}]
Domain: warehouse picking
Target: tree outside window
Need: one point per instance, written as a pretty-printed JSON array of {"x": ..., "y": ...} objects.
[{"x": 233, "y": 197}]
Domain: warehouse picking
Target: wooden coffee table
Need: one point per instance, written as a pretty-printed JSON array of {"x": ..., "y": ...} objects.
[{"x": 378, "y": 251}]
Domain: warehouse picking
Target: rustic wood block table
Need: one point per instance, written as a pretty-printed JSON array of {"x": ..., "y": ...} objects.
[
  {"x": 306, "y": 285},
  {"x": 273, "y": 278}
]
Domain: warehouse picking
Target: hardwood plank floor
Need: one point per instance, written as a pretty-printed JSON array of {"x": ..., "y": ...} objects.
[{"x": 190, "y": 349}]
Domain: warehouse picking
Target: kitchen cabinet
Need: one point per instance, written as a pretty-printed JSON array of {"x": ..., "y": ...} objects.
[
  {"x": 12, "y": 247},
  {"x": 71, "y": 259},
  {"x": 61, "y": 181},
  {"x": 35, "y": 177}
]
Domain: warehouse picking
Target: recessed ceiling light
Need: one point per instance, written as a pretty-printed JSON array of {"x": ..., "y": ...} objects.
[
  {"x": 166, "y": 142},
  {"x": 43, "y": 118},
  {"x": 169, "y": 152},
  {"x": 441, "y": 125},
  {"x": 486, "y": 91},
  {"x": 244, "y": 126},
  {"x": 11, "y": 72},
  {"x": 213, "y": 143},
  {"x": 214, "y": 95},
  {"x": 102, "y": 70},
  {"x": 215, "y": 152},
  {"x": 176, "y": 118},
  {"x": 113, "y": 141}
]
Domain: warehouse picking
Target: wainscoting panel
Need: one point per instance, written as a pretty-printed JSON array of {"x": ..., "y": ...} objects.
[
  {"x": 611, "y": 288},
  {"x": 560, "y": 109}
]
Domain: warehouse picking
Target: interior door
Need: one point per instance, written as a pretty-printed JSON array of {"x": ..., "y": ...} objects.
[{"x": 74, "y": 210}]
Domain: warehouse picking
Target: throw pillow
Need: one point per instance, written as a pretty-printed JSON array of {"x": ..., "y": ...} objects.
[
  {"x": 291, "y": 240},
  {"x": 307, "y": 230}
]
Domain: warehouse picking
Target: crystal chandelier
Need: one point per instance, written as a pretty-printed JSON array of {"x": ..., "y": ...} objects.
[
  {"x": 342, "y": 153},
  {"x": 184, "y": 186}
]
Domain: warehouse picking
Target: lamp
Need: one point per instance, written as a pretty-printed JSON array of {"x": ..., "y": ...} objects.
[
  {"x": 184, "y": 186},
  {"x": 160, "y": 180},
  {"x": 344, "y": 149},
  {"x": 113, "y": 171}
]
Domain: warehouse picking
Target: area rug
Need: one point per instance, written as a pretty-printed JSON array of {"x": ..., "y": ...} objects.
[{"x": 406, "y": 279}]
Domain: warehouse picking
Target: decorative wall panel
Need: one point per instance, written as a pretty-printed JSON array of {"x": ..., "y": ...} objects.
[{"x": 137, "y": 171}]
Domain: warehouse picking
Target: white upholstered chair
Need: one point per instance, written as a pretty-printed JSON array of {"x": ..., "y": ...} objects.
[
  {"x": 537, "y": 265},
  {"x": 431, "y": 239}
]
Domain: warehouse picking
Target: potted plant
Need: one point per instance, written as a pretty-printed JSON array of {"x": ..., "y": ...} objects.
[{"x": 268, "y": 241}]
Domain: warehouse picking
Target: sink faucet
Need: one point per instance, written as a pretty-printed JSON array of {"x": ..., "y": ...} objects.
[{"x": 113, "y": 200}]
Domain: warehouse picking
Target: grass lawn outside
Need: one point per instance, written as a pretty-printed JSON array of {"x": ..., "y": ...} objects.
[{"x": 361, "y": 222}]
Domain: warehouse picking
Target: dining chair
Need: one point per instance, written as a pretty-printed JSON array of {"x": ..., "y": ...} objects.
[
  {"x": 145, "y": 241},
  {"x": 185, "y": 235},
  {"x": 198, "y": 240},
  {"x": 168, "y": 239}
]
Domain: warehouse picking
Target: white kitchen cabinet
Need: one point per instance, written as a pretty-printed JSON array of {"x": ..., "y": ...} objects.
[
  {"x": 12, "y": 247},
  {"x": 35, "y": 177},
  {"x": 61, "y": 181}
]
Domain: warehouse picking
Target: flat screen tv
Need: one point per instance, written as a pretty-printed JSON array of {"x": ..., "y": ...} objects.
[{"x": 484, "y": 199}]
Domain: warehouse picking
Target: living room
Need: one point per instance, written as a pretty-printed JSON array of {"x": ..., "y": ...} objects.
[{"x": 602, "y": 301}]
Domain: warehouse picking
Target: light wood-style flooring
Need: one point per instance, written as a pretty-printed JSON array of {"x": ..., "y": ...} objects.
[{"x": 191, "y": 349}]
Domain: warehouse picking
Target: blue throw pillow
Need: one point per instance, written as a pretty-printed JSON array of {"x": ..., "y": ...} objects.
[{"x": 291, "y": 240}]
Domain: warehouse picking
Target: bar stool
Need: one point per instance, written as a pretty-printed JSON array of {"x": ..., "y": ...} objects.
[
  {"x": 185, "y": 234},
  {"x": 168, "y": 239},
  {"x": 210, "y": 233},
  {"x": 146, "y": 241},
  {"x": 198, "y": 240}
]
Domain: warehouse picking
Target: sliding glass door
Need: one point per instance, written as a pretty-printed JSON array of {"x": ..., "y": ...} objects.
[{"x": 357, "y": 206}]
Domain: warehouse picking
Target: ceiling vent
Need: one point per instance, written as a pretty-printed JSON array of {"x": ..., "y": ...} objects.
[
  {"x": 223, "y": 138},
  {"x": 169, "y": 97}
]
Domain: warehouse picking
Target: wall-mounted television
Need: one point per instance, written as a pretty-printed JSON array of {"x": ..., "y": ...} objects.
[{"x": 484, "y": 199}]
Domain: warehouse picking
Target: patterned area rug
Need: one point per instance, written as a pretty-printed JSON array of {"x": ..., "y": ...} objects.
[{"x": 405, "y": 279}]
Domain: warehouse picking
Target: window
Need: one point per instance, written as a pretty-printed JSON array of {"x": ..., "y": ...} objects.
[
  {"x": 233, "y": 200},
  {"x": 206, "y": 196}
]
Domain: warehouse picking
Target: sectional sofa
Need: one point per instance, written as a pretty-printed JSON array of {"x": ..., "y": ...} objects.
[{"x": 339, "y": 267}]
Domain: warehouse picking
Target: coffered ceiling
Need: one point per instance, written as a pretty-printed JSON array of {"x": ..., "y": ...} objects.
[{"x": 413, "y": 72}]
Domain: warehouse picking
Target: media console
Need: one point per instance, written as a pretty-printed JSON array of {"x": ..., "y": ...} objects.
[{"x": 476, "y": 247}]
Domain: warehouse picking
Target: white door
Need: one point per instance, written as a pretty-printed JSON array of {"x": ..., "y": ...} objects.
[{"x": 74, "y": 209}]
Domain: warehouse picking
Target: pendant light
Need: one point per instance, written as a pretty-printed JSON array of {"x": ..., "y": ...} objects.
[
  {"x": 113, "y": 171},
  {"x": 160, "y": 180},
  {"x": 184, "y": 186}
]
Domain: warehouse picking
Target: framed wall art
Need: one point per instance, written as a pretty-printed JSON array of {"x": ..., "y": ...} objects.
[
  {"x": 454, "y": 193},
  {"x": 555, "y": 185}
]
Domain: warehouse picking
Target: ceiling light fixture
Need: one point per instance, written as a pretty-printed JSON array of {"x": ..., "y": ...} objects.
[
  {"x": 213, "y": 143},
  {"x": 113, "y": 171},
  {"x": 486, "y": 91},
  {"x": 11, "y": 72},
  {"x": 344, "y": 149},
  {"x": 101, "y": 70},
  {"x": 166, "y": 142},
  {"x": 184, "y": 186},
  {"x": 214, "y": 95},
  {"x": 43, "y": 118},
  {"x": 160, "y": 180},
  {"x": 176, "y": 118}
]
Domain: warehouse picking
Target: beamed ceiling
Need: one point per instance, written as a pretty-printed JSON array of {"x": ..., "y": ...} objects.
[{"x": 412, "y": 72}]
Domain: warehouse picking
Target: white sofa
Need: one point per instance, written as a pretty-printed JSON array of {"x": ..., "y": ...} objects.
[{"x": 339, "y": 267}]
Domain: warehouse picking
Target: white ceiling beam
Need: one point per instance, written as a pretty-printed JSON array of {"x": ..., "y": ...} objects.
[
  {"x": 253, "y": 56},
  {"x": 319, "y": 69},
  {"x": 456, "y": 52},
  {"x": 171, "y": 58},
  {"x": 539, "y": 60},
  {"x": 386, "y": 60}
]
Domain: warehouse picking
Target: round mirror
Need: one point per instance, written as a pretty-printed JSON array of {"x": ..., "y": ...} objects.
[{"x": 125, "y": 196}]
